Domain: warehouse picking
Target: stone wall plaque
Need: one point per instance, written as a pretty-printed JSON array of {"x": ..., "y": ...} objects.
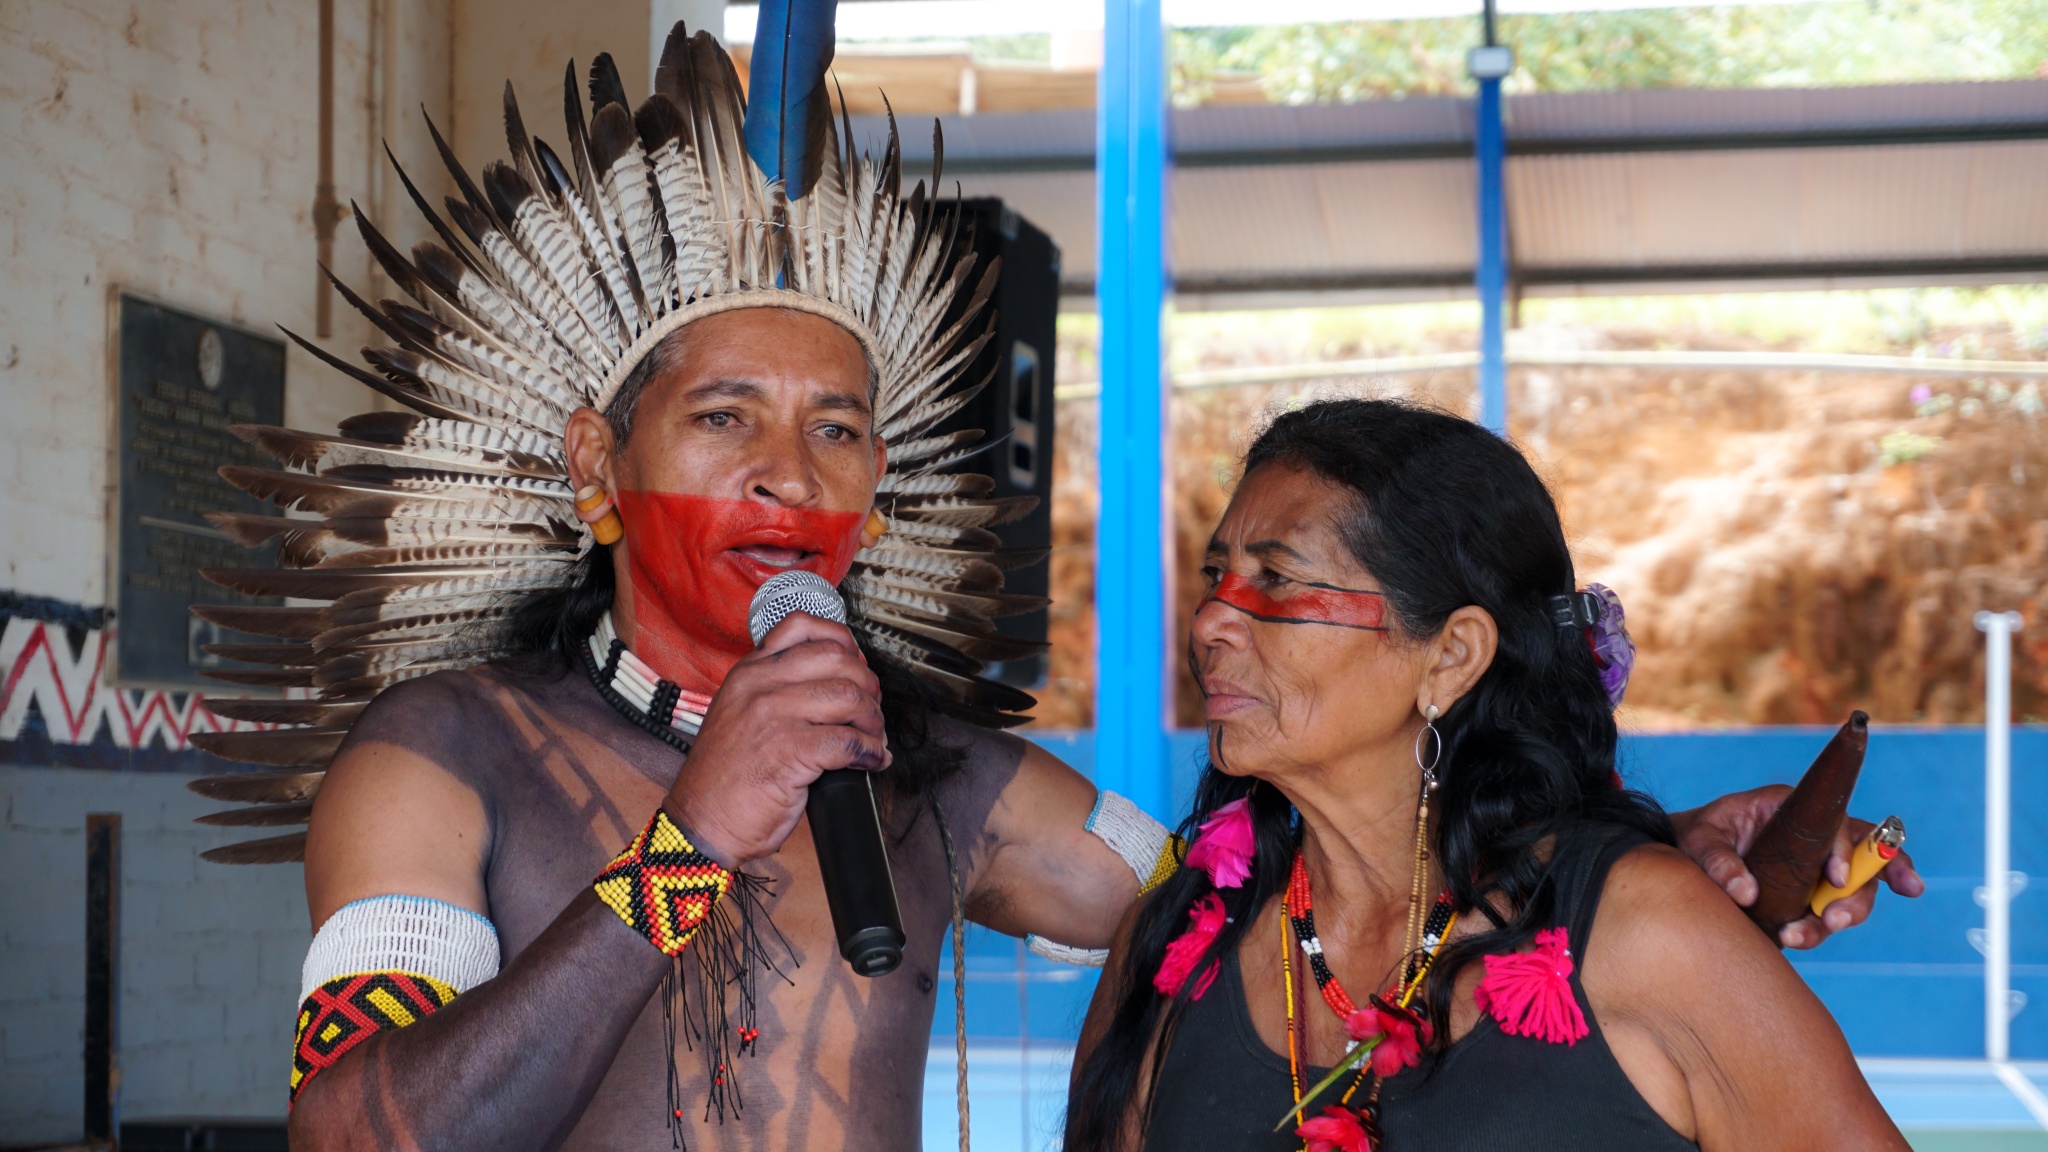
[{"x": 183, "y": 381}]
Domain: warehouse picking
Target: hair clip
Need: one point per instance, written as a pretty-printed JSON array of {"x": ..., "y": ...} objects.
[{"x": 1578, "y": 610}]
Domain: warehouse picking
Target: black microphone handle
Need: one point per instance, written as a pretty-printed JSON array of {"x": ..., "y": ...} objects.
[{"x": 854, "y": 864}]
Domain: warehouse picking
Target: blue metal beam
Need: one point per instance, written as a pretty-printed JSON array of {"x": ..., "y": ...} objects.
[
  {"x": 1491, "y": 275},
  {"x": 1131, "y": 542}
]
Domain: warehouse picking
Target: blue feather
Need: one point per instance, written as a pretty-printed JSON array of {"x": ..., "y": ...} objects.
[{"x": 788, "y": 112}]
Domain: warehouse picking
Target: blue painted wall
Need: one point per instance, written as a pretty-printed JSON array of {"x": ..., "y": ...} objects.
[{"x": 1906, "y": 984}]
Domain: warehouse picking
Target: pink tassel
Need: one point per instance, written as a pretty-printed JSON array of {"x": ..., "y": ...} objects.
[
  {"x": 1530, "y": 993},
  {"x": 1224, "y": 845},
  {"x": 1188, "y": 949}
]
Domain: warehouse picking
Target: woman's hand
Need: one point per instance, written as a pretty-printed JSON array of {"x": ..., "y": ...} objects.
[{"x": 1718, "y": 834}]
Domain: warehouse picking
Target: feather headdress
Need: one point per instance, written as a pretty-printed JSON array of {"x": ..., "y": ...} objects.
[{"x": 554, "y": 274}]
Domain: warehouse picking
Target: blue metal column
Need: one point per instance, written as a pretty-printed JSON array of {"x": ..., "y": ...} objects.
[
  {"x": 1488, "y": 65},
  {"x": 1131, "y": 543}
]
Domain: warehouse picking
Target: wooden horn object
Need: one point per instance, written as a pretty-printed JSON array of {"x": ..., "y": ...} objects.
[{"x": 1792, "y": 850}]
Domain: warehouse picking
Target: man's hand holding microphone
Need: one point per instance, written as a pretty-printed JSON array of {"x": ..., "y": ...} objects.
[{"x": 796, "y": 727}]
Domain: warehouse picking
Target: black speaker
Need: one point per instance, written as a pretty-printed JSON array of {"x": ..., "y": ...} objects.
[{"x": 1016, "y": 408}]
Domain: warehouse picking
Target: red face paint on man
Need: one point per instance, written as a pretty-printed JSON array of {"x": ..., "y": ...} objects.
[{"x": 694, "y": 562}]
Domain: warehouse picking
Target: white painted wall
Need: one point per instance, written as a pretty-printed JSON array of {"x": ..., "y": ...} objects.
[
  {"x": 210, "y": 957},
  {"x": 170, "y": 150},
  {"x": 529, "y": 43}
]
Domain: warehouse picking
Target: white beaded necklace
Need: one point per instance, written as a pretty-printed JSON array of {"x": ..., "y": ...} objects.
[{"x": 629, "y": 685}]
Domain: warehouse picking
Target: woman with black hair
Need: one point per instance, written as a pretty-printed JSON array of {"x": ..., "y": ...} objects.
[{"x": 1420, "y": 911}]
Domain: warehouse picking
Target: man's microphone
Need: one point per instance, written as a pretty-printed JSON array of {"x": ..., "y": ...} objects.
[{"x": 845, "y": 826}]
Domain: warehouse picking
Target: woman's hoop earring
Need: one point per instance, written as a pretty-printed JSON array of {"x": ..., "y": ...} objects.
[{"x": 1436, "y": 741}]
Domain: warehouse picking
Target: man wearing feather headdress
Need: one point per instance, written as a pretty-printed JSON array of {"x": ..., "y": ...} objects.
[{"x": 642, "y": 377}]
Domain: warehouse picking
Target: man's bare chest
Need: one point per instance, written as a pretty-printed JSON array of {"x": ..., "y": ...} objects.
[{"x": 558, "y": 816}]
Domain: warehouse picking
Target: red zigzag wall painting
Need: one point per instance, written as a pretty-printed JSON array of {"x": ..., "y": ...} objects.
[{"x": 57, "y": 709}]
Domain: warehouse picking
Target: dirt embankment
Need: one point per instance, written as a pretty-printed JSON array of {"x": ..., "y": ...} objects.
[{"x": 1789, "y": 545}]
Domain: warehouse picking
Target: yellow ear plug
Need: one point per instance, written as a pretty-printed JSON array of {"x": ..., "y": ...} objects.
[
  {"x": 607, "y": 529},
  {"x": 878, "y": 524},
  {"x": 1866, "y": 860}
]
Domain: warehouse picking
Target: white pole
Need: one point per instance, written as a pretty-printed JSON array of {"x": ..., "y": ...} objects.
[{"x": 1998, "y": 629}]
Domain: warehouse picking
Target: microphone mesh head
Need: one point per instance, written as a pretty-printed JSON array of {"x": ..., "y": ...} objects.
[{"x": 796, "y": 590}]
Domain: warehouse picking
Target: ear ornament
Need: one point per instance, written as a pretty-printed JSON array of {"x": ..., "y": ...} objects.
[{"x": 606, "y": 528}]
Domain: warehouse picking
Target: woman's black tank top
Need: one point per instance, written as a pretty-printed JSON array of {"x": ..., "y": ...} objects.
[{"x": 1223, "y": 1088}]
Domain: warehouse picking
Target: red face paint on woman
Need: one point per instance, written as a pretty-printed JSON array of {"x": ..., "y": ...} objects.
[
  {"x": 1309, "y": 604},
  {"x": 692, "y": 578}
]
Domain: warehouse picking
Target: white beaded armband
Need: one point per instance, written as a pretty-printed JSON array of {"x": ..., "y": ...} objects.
[
  {"x": 409, "y": 934},
  {"x": 1145, "y": 844}
]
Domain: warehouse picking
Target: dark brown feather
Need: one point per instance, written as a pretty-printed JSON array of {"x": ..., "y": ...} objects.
[
  {"x": 451, "y": 621},
  {"x": 478, "y": 202},
  {"x": 440, "y": 226},
  {"x": 611, "y": 136},
  {"x": 262, "y": 677},
  {"x": 259, "y": 787},
  {"x": 280, "y": 747},
  {"x": 331, "y": 713},
  {"x": 521, "y": 146},
  {"x": 579, "y": 143},
  {"x": 606, "y": 88},
  {"x": 302, "y": 491},
  {"x": 260, "y": 816},
  {"x": 672, "y": 74},
  {"x": 440, "y": 555},
  {"x": 253, "y": 531},
  {"x": 288, "y": 446},
  {"x": 333, "y": 584},
  {"x": 292, "y": 622},
  {"x": 372, "y": 529},
  {"x": 659, "y": 121},
  {"x": 405, "y": 394},
  {"x": 507, "y": 188},
  {"x": 987, "y": 695},
  {"x": 387, "y": 255},
  {"x": 981, "y": 644},
  {"x": 300, "y": 543},
  {"x": 1006, "y": 508},
  {"x": 370, "y": 311},
  {"x": 1011, "y": 559},
  {"x": 274, "y": 850},
  {"x": 380, "y": 427},
  {"x": 439, "y": 268},
  {"x": 288, "y": 655}
]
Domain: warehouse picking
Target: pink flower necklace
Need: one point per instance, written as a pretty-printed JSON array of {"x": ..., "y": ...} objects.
[{"x": 1387, "y": 1035}]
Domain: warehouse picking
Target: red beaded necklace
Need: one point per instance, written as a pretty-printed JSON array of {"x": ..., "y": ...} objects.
[
  {"x": 1301, "y": 915},
  {"x": 1344, "y": 1125}
]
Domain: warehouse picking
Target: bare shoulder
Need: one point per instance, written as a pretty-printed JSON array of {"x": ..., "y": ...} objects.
[
  {"x": 1666, "y": 934},
  {"x": 1656, "y": 894},
  {"x": 1710, "y": 1021},
  {"x": 399, "y": 813},
  {"x": 987, "y": 761},
  {"x": 1011, "y": 786},
  {"x": 434, "y": 716}
]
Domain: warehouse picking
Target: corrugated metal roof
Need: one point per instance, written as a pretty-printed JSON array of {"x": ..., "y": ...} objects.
[{"x": 1932, "y": 181}]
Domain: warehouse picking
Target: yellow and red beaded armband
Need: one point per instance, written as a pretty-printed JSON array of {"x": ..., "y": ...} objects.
[
  {"x": 661, "y": 886},
  {"x": 348, "y": 1010}
]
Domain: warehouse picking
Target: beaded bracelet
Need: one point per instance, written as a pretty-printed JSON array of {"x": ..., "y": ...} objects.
[{"x": 661, "y": 886}]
